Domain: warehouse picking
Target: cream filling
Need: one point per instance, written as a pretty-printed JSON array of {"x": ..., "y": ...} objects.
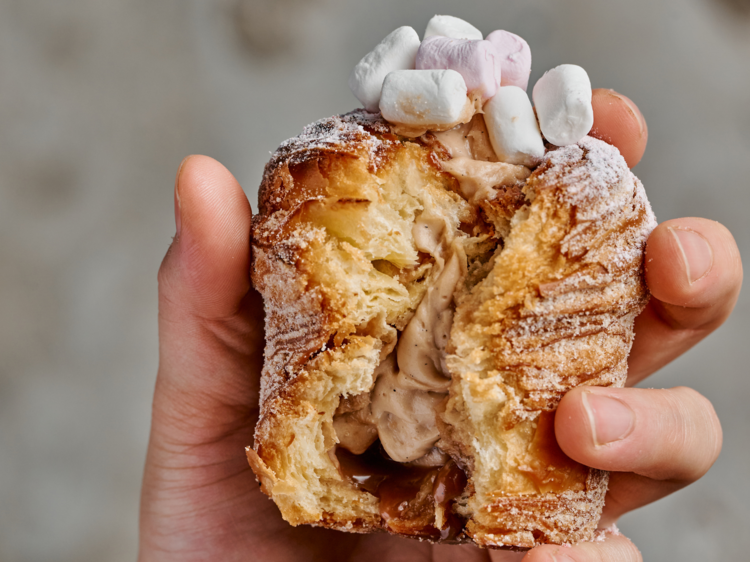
[
  {"x": 421, "y": 347},
  {"x": 474, "y": 163},
  {"x": 411, "y": 384},
  {"x": 479, "y": 179},
  {"x": 405, "y": 416},
  {"x": 470, "y": 140},
  {"x": 472, "y": 106}
]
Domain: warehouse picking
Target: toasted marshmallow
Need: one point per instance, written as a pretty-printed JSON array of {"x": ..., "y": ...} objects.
[
  {"x": 477, "y": 61},
  {"x": 515, "y": 58},
  {"x": 423, "y": 97},
  {"x": 512, "y": 127},
  {"x": 397, "y": 51},
  {"x": 563, "y": 104},
  {"x": 455, "y": 28}
]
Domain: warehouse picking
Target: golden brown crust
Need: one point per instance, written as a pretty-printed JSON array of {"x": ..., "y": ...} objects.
[
  {"x": 356, "y": 134},
  {"x": 526, "y": 521},
  {"x": 553, "y": 309}
]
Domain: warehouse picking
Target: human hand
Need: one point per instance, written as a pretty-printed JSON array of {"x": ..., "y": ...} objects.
[{"x": 200, "y": 500}]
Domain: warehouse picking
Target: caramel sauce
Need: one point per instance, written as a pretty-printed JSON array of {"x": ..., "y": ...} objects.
[
  {"x": 368, "y": 470},
  {"x": 398, "y": 487},
  {"x": 453, "y": 528},
  {"x": 548, "y": 467},
  {"x": 397, "y": 493},
  {"x": 449, "y": 484}
]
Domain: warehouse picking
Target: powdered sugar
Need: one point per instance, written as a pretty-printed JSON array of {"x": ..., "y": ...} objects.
[
  {"x": 572, "y": 324},
  {"x": 335, "y": 133},
  {"x": 601, "y": 535}
]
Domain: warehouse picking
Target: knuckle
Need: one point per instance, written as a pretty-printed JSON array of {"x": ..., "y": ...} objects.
[
  {"x": 697, "y": 432},
  {"x": 164, "y": 268},
  {"x": 168, "y": 284},
  {"x": 162, "y": 275},
  {"x": 167, "y": 269}
]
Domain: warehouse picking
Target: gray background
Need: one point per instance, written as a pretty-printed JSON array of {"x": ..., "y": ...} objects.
[{"x": 101, "y": 99}]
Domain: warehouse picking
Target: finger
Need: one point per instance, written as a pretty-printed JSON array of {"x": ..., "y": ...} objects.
[
  {"x": 210, "y": 321},
  {"x": 667, "y": 438},
  {"x": 694, "y": 273},
  {"x": 389, "y": 548},
  {"x": 614, "y": 548},
  {"x": 206, "y": 270},
  {"x": 464, "y": 553},
  {"x": 197, "y": 485},
  {"x": 628, "y": 491},
  {"x": 664, "y": 434},
  {"x": 618, "y": 121},
  {"x": 505, "y": 556}
]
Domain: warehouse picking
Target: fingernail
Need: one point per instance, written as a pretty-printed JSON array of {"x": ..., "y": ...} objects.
[
  {"x": 697, "y": 254},
  {"x": 642, "y": 129},
  {"x": 611, "y": 420},
  {"x": 177, "y": 207}
]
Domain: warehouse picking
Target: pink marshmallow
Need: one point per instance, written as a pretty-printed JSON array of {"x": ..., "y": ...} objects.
[
  {"x": 477, "y": 61},
  {"x": 515, "y": 58}
]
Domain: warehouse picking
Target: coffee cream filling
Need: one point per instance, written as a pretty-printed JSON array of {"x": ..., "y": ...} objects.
[
  {"x": 474, "y": 163},
  {"x": 411, "y": 384},
  {"x": 472, "y": 106}
]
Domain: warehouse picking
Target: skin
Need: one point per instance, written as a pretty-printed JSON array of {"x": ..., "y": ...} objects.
[
  {"x": 618, "y": 121},
  {"x": 200, "y": 501}
]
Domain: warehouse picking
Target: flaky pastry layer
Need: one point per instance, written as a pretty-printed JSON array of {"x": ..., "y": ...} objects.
[{"x": 554, "y": 281}]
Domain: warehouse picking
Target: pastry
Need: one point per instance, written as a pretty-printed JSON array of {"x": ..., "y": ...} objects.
[{"x": 427, "y": 306}]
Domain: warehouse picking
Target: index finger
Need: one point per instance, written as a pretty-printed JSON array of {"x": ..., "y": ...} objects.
[
  {"x": 694, "y": 273},
  {"x": 619, "y": 122},
  {"x": 614, "y": 548}
]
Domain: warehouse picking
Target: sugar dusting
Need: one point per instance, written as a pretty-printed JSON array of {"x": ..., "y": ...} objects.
[
  {"x": 601, "y": 535},
  {"x": 336, "y": 133},
  {"x": 556, "y": 312},
  {"x": 590, "y": 176},
  {"x": 358, "y": 133}
]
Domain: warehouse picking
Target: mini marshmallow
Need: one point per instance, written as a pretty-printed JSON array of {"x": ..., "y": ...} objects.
[
  {"x": 563, "y": 104},
  {"x": 477, "y": 61},
  {"x": 512, "y": 127},
  {"x": 515, "y": 58},
  {"x": 396, "y": 52},
  {"x": 423, "y": 97},
  {"x": 455, "y": 28}
]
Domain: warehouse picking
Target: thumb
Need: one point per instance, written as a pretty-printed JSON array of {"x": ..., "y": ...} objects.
[
  {"x": 210, "y": 319},
  {"x": 206, "y": 271},
  {"x": 197, "y": 485}
]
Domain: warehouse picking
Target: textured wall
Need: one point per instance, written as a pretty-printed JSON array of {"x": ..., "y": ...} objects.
[{"x": 101, "y": 99}]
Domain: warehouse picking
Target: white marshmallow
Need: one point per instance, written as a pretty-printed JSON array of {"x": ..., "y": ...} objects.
[
  {"x": 397, "y": 51},
  {"x": 423, "y": 97},
  {"x": 512, "y": 127},
  {"x": 455, "y": 28},
  {"x": 563, "y": 104}
]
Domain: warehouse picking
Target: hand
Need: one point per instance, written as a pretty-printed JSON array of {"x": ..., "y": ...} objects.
[{"x": 200, "y": 500}]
